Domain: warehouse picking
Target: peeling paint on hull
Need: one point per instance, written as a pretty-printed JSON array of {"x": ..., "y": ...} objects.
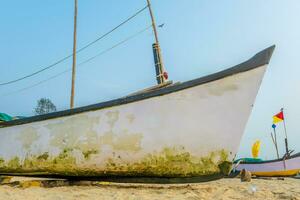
[{"x": 188, "y": 133}]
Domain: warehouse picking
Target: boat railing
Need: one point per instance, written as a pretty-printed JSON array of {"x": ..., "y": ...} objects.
[{"x": 153, "y": 88}]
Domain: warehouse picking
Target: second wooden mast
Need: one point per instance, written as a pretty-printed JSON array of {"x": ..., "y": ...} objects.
[{"x": 74, "y": 56}]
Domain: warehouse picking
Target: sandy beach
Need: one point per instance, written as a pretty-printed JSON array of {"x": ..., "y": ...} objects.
[{"x": 222, "y": 189}]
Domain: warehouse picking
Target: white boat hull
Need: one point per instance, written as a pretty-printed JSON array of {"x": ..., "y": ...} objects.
[{"x": 188, "y": 132}]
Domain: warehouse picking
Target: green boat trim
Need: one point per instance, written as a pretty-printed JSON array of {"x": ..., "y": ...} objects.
[
  {"x": 249, "y": 160},
  {"x": 5, "y": 117}
]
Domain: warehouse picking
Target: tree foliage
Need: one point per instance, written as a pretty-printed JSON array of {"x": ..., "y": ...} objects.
[{"x": 44, "y": 106}]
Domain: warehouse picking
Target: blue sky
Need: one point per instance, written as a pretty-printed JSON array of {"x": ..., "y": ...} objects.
[{"x": 199, "y": 37}]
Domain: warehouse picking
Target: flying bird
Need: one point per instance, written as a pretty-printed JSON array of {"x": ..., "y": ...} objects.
[{"x": 161, "y": 26}]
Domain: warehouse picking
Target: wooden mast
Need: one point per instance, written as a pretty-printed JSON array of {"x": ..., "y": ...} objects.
[
  {"x": 286, "y": 136},
  {"x": 161, "y": 75},
  {"x": 74, "y": 57}
]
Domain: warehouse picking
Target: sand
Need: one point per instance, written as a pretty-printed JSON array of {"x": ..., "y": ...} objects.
[{"x": 223, "y": 189}]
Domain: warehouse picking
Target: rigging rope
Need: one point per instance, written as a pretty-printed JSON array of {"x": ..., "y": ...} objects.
[
  {"x": 80, "y": 64},
  {"x": 78, "y": 51}
]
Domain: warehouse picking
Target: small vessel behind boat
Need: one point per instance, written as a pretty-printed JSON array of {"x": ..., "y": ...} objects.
[
  {"x": 190, "y": 129},
  {"x": 287, "y": 166}
]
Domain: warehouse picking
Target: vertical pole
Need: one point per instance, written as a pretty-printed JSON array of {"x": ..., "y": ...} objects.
[
  {"x": 153, "y": 22},
  {"x": 158, "y": 60},
  {"x": 276, "y": 145},
  {"x": 273, "y": 139},
  {"x": 286, "y": 137},
  {"x": 284, "y": 124},
  {"x": 286, "y": 141},
  {"x": 74, "y": 57}
]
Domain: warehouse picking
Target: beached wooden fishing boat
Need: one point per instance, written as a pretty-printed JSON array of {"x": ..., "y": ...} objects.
[
  {"x": 189, "y": 129},
  {"x": 280, "y": 167}
]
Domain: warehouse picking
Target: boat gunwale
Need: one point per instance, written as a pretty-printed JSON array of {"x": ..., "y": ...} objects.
[
  {"x": 272, "y": 161},
  {"x": 258, "y": 60}
]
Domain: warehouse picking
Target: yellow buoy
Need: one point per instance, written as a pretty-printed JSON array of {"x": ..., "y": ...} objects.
[{"x": 256, "y": 149}]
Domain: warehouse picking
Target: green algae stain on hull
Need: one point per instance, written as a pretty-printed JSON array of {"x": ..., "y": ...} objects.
[
  {"x": 168, "y": 163},
  {"x": 173, "y": 162}
]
